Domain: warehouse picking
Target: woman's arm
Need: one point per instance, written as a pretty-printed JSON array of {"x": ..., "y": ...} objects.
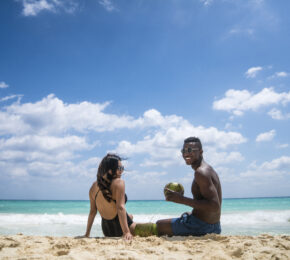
[
  {"x": 92, "y": 214},
  {"x": 120, "y": 203}
]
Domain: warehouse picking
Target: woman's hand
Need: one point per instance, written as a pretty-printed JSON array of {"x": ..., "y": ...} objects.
[{"x": 127, "y": 236}]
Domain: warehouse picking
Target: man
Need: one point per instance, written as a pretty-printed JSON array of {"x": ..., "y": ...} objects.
[{"x": 206, "y": 202}]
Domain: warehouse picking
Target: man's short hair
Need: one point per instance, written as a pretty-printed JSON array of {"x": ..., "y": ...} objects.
[{"x": 193, "y": 140}]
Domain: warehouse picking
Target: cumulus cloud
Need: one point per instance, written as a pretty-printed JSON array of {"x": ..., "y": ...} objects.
[
  {"x": 163, "y": 146},
  {"x": 3, "y": 85},
  {"x": 267, "y": 136},
  {"x": 239, "y": 101},
  {"x": 275, "y": 168},
  {"x": 50, "y": 136},
  {"x": 252, "y": 72},
  {"x": 216, "y": 157},
  {"x": 282, "y": 74},
  {"x": 52, "y": 115},
  {"x": 34, "y": 7},
  {"x": 41, "y": 155},
  {"x": 278, "y": 115}
]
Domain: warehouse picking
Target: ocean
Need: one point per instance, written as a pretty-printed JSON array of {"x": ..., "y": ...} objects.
[{"x": 250, "y": 216}]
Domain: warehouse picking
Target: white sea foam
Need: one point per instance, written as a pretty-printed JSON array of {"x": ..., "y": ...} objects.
[
  {"x": 75, "y": 224},
  {"x": 63, "y": 219},
  {"x": 256, "y": 217},
  {"x": 247, "y": 218},
  {"x": 38, "y": 219}
]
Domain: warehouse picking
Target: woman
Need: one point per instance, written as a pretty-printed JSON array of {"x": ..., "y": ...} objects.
[{"x": 107, "y": 195}]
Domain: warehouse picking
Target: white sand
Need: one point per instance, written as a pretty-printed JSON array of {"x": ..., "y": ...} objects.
[{"x": 207, "y": 247}]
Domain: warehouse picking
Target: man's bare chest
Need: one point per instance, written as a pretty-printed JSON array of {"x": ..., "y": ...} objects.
[{"x": 195, "y": 190}]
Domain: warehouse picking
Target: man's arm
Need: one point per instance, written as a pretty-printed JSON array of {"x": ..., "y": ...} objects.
[{"x": 208, "y": 192}]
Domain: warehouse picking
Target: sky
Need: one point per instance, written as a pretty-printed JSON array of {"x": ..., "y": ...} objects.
[{"x": 79, "y": 79}]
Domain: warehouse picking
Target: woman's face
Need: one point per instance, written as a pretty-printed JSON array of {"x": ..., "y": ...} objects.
[{"x": 120, "y": 169}]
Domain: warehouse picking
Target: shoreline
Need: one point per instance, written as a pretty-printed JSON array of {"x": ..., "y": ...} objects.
[
  {"x": 206, "y": 247},
  {"x": 234, "y": 198}
]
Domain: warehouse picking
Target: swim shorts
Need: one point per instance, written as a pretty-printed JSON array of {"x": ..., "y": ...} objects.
[{"x": 189, "y": 225}]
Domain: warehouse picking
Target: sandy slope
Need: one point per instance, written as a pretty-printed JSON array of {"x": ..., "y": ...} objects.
[{"x": 207, "y": 247}]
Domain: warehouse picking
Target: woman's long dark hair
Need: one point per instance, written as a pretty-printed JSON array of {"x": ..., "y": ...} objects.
[{"x": 105, "y": 177}]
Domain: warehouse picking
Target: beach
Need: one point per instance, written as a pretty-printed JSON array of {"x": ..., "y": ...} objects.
[
  {"x": 207, "y": 247},
  {"x": 257, "y": 228}
]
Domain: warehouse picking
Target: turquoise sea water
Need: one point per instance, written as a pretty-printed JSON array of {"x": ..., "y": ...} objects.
[{"x": 251, "y": 216}]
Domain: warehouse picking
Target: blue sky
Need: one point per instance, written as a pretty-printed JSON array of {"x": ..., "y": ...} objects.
[{"x": 79, "y": 79}]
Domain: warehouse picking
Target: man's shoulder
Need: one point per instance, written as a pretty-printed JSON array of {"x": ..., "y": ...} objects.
[{"x": 204, "y": 170}]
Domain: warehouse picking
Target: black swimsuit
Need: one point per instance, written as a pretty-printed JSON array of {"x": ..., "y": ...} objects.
[{"x": 112, "y": 227}]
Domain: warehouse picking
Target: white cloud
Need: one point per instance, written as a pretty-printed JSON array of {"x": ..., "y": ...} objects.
[
  {"x": 108, "y": 5},
  {"x": 267, "y": 136},
  {"x": 216, "y": 157},
  {"x": 244, "y": 31},
  {"x": 3, "y": 85},
  {"x": 34, "y": 7},
  {"x": 38, "y": 137},
  {"x": 275, "y": 168},
  {"x": 226, "y": 174},
  {"x": 139, "y": 178},
  {"x": 44, "y": 143},
  {"x": 282, "y": 146},
  {"x": 10, "y": 97},
  {"x": 207, "y": 2},
  {"x": 252, "y": 72},
  {"x": 51, "y": 115},
  {"x": 164, "y": 146},
  {"x": 238, "y": 101},
  {"x": 43, "y": 155},
  {"x": 257, "y": 17},
  {"x": 278, "y": 115},
  {"x": 282, "y": 74}
]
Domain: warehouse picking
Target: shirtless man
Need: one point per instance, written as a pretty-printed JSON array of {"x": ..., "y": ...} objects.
[{"x": 206, "y": 202}]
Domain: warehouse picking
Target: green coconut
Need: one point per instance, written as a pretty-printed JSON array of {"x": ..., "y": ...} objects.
[{"x": 175, "y": 186}]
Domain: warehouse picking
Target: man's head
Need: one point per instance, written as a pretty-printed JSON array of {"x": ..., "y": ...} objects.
[{"x": 192, "y": 151}]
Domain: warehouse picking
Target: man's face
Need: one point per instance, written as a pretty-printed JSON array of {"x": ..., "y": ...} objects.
[{"x": 191, "y": 153}]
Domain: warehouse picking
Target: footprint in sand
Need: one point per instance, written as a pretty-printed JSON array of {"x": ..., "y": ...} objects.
[{"x": 62, "y": 252}]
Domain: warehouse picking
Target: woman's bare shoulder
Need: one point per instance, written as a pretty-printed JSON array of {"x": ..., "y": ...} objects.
[
  {"x": 118, "y": 183},
  {"x": 94, "y": 187}
]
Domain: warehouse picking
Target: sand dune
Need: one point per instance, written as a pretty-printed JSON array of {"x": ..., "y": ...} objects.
[{"x": 207, "y": 247}]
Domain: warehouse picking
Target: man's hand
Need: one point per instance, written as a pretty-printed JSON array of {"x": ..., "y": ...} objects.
[{"x": 173, "y": 196}]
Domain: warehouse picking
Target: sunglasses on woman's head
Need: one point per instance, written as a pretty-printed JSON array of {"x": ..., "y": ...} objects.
[{"x": 121, "y": 168}]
